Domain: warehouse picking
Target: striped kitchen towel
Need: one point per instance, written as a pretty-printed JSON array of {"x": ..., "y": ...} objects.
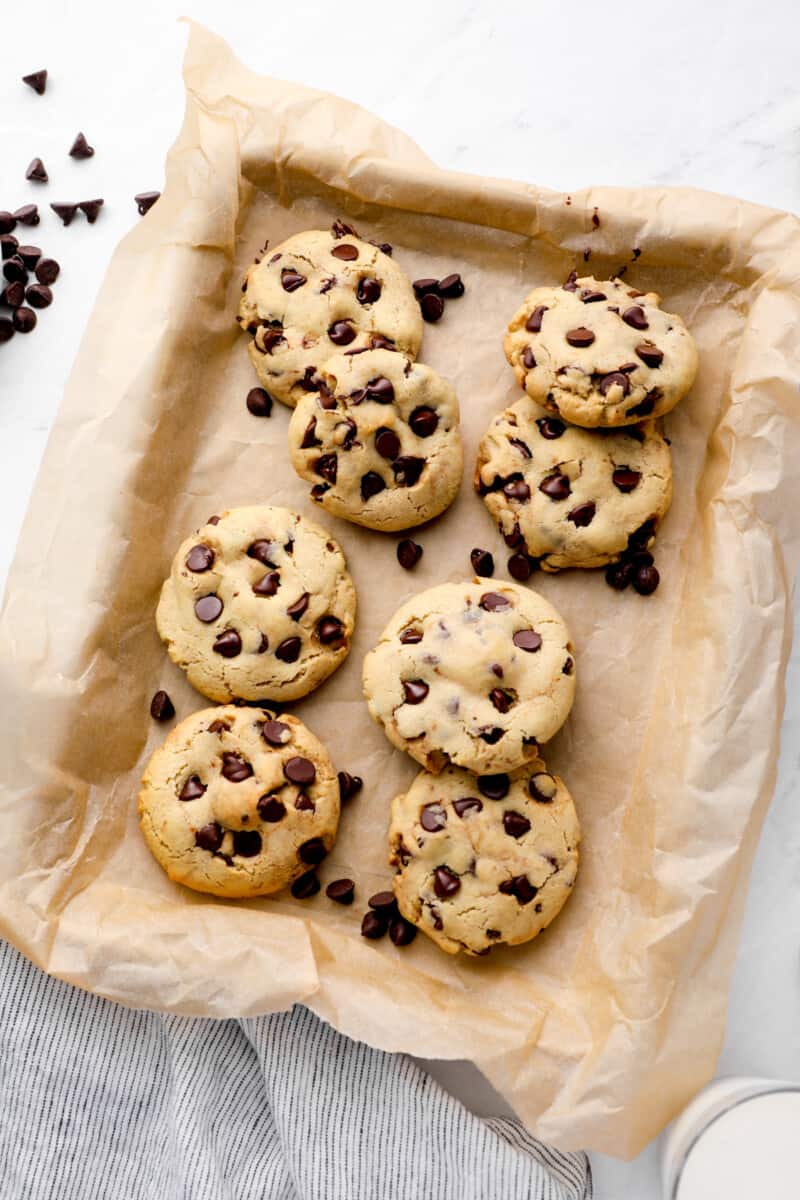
[{"x": 99, "y": 1102}]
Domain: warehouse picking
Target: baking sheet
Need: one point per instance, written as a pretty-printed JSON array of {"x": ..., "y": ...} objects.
[{"x": 599, "y": 1031}]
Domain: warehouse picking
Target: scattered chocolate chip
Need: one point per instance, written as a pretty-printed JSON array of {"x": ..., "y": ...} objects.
[
  {"x": 7, "y": 226},
  {"x": 590, "y": 297},
  {"x": 450, "y": 287},
  {"x": 39, "y": 295},
  {"x": 14, "y": 294},
  {"x": 494, "y": 787},
  {"x": 642, "y": 558},
  {"x": 339, "y": 229},
  {"x": 91, "y": 208},
  {"x": 482, "y": 562},
  {"x": 534, "y": 321},
  {"x": 515, "y": 824},
  {"x": 401, "y": 931},
  {"x": 228, "y": 644},
  {"x": 347, "y": 252},
  {"x": 432, "y": 818},
  {"x": 268, "y": 584},
  {"x": 36, "y": 80},
  {"x": 423, "y": 421},
  {"x": 410, "y": 637},
  {"x": 467, "y": 805},
  {"x": 528, "y": 640},
  {"x": 380, "y": 390},
  {"x": 80, "y": 148},
  {"x": 8, "y": 243},
  {"x": 30, "y": 256},
  {"x": 292, "y": 280},
  {"x": 501, "y": 700},
  {"x": 619, "y": 575},
  {"x": 373, "y": 926},
  {"x": 517, "y": 489},
  {"x": 27, "y": 215},
  {"x": 650, "y": 355},
  {"x": 300, "y": 770},
  {"x": 208, "y": 608},
  {"x": 14, "y": 269},
  {"x": 6, "y": 329},
  {"x": 341, "y": 333},
  {"x": 327, "y": 466},
  {"x": 349, "y": 785},
  {"x": 209, "y": 837},
  {"x": 313, "y": 851},
  {"x": 247, "y": 843},
  {"x": 36, "y": 171},
  {"x": 520, "y": 567},
  {"x": 192, "y": 789},
  {"x": 304, "y": 803},
  {"x": 305, "y": 886},
  {"x": 383, "y": 903},
  {"x": 550, "y": 427},
  {"x": 367, "y": 292},
  {"x": 423, "y": 287},
  {"x": 520, "y": 887},
  {"x": 371, "y": 485},
  {"x": 581, "y": 336},
  {"x": 65, "y": 211},
  {"x": 409, "y": 553},
  {"x": 341, "y": 891},
  {"x": 557, "y": 487},
  {"x": 415, "y": 691},
  {"x": 445, "y": 883},
  {"x": 542, "y": 787},
  {"x": 582, "y": 515},
  {"x": 234, "y": 768},
  {"x": 646, "y": 580},
  {"x": 200, "y": 558},
  {"x": 635, "y": 317},
  {"x": 615, "y": 379},
  {"x": 24, "y": 320},
  {"x": 387, "y": 443},
  {"x": 298, "y": 608},
  {"x": 494, "y": 602},
  {"x": 144, "y": 201},
  {"x": 259, "y": 402},
  {"x": 161, "y": 707},
  {"x": 262, "y": 550},
  {"x": 47, "y": 271},
  {"x": 432, "y": 307}
]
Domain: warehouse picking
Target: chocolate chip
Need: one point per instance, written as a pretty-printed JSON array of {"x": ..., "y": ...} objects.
[
  {"x": 91, "y": 208},
  {"x": 305, "y": 886},
  {"x": 259, "y": 402},
  {"x": 263, "y": 645},
  {"x": 268, "y": 584},
  {"x": 24, "y": 320},
  {"x": 580, "y": 337},
  {"x": 494, "y": 787},
  {"x": 551, "y": 427},
  {"x": 200, "y": 558},
  {"x": 228, "y": 644},
  {"x": 642, "y": 558},
  {"x": 192, "y": 789},
  {"x": 330, "y": 632},
  {"x": 494, "y": 934},
  {"x": 65, "y": 211},
  {"x": 289, "y": 650},
  {"x": 327, "y": 466},
  {"x": 27, "y": 215},
  {"x": 542, "y": 787},
  {"x": 36, "y": 171},
  {"x": 262, "y": 550},
  {"x": 450, "y": 287},
  {"x": 641, "y": 537},
  {"x": 407, "y": 470},
  {"x": 271, "y": 337},
  {"x": 47, "y": 271},
  {"x": 209, "y": 837},
  {"x": 467, "y": 805},
  {"x": 619, "y": 575},
  {"x": 423, "y": 421},
  {"x": 494, "y": 602},
  {"x": 635, "y": 317},
  {"x": 339, "y": 229},
  {"x": 384, "y": 247},
  {"x": 520, "y": 887},
  {"x": 349, "y": 785},
  {"x": 367, "y": 292},
  {"x": 80, "y": 148},
  {"x": 590, "y": 297},
  {"x": 433, "y": 818},
  {"x": 276, "y": 733},
  {"x": 14, "y": 294},
  {"x": 215, "y": 520},
  {"x": 501, "y": 700},
  {"x": 300, "y": 770},
  {"x": 646, "y": 580},
  {"x": 380, "y": 390},
  {"x": 36, "y": 80},
  {"x": 570, "y": 285},
  {"x": 30, "y": 256},
  {"x": 415, "y": 691},
  {"x": 218, "y": 727},
  {"x": 582, "y": 515},
  {"x": 14, "y": 269},
  {"x": 39, "y": 295},
  {"x": 432, "y": 307},
  {"x": 234, "y": 768},
  {"x": 383, "y": 903},
  {"x": 6, "y": 329},
  {"x": 387, "y": 443},
  {"x": 144, "y": 201},
  {"x": 409, "y": 553},
  {"x": 371, "y": 484},
  {"x": 7, "y": 226},
  {"x": 161, "y": 707},
  {"x": 482, "y": 562},
  {"x": 528, "y": 640},
  {"x": 313, "y": 851},
  {"x": 373, "y": 926},
  {"x": 534, "y": 321},
  {"x": 445, "y": 883},
  {"x": 515, "y": 824},
  {"x": 341, "y": 333},
  {"x": 247, "y": 843},
  {"x": 520, "y": 566},
  {"x": 410, "y": 637},
  {"x": 304, "y": 803},
  {"x": 8, "y": 243},
  {"x": 292, "y": 280},
  {"x": 378, "y": 342},
  {"x": 401, "y": 931},
  {"x": 650, "y": 355},
  {"x": 347, "y": 252},
  {"x": 423, "y": 287},
  {"x": 517, "y": 489},
  {"x": 296, "y": 610},
  {"x": 208, "y": 608},
  {"x": 625, "y": 479},
  {"x": 341, "y": 891},
  {"x": 615, "y": 379},
  {"x": 647, "y": 405},
  {"x": 557, "y": 487},
  {"x": 492, "y": 735},
  {"x": 528, "y": 360}
]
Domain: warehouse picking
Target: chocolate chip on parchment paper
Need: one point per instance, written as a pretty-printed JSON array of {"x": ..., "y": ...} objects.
[
  {"x": 432, "y": 307},
  {"x": 482, "y": 562},
  {"x": 409, "y": 553},
  {"x": 349, "y": 785},
  {"x": 373, "y": 926},
  {"x": 305, "y": 886},
  {"x": 401, "y": 931},
  {"x": 341, "y": 891},
  {"x": 161, "y": 707}
]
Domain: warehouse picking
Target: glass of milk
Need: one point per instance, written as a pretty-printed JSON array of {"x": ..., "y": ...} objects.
[{"x": 738, "y": 1139}]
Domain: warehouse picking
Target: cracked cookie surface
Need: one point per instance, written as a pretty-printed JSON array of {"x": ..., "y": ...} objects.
[
  {"x": 258, "y": 606},
  {"x": 567, "y": 496},
  {"x": 483, "y": 861},
  {"x": 379, "y": 441},
  {"x": 598, "y": 352},
  {"x": 317, "y": 293},
  {"x": 238, "y": 802},
  {"x": 472, "y": 673}
]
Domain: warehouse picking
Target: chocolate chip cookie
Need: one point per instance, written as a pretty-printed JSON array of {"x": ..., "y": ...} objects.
[
  {"x": 318, "y": 293},
  {"x": 598, "y": 352},
  {"x": 238, "y": 802},
  {"x": 571, "y": 497},
  {"x": 258, "y": 606},
  {"x": 379, "y": 440},
  {"x": 472, "y": 673},
  {"x": 484, "y": 861}
]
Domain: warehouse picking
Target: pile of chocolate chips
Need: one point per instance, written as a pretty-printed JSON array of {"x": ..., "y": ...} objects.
[
  {"x": 432, "y": 293},
  {"x": 636, "y": 565},
  {"x": 21, "y": 294}
]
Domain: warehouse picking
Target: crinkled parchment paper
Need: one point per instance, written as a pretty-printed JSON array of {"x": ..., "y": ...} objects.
[{"x": 601, "y": 1029}]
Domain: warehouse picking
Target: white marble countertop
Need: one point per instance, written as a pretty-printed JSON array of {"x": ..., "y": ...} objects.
[{"x": 564, "y": 95}]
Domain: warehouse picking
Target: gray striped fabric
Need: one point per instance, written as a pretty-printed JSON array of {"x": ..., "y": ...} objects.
[{"x": 99, "y": 1102}]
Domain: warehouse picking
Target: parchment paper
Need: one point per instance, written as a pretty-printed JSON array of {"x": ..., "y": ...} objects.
[{"x": 600, "y": 1030}]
